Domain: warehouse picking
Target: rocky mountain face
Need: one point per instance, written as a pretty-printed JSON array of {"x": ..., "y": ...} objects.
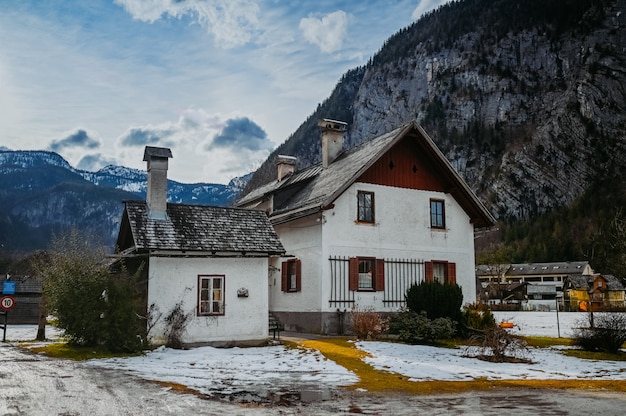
[
  {"x": 526, "y": 98},
  {"x": 42, "y": 195}
]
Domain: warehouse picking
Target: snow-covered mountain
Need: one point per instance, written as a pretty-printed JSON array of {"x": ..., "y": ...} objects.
[{"x": 41, "y": 194}]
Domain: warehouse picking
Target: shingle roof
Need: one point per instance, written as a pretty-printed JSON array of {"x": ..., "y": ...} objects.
[
  {"x": 585, "y": 282},
  {"x": 199, "y": 228},
  {"x": 315, "y": 188}
]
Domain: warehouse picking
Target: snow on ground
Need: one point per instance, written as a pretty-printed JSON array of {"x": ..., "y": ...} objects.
[
  {"x": 229, "y": 370},
  {"x": 547, "y": 324}
]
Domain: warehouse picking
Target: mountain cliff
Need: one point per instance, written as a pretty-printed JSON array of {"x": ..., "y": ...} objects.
[
  {"x": 41, "y": 195},
  {"x": 526, "y": 98}
]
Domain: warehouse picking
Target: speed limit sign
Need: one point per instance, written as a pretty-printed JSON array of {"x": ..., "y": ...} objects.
[{"x": 7, "y": 303}]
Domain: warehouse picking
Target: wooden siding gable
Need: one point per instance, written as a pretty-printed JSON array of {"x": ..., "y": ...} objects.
[{"x": 404, "y": 166}]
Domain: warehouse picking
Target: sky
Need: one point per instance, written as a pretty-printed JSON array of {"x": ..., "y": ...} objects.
[
  {"x": 231, "y": 370},
  {"x": 220, "y": 82}
]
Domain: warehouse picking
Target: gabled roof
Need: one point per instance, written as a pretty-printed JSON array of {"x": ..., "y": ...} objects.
[
  {"x": 585, "y": 282},
  {"x": 316, "y": 188},
  {"x": 200, "y": 229}
]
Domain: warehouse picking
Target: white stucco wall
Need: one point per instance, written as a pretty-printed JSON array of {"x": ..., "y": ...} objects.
[
  {"x": 302, "y": 240},
  {"x": 172, "y": 279},
  {"x": 401, "y": 231}
]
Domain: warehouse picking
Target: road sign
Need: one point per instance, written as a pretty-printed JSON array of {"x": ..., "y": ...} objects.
[
  {"x": 8, "y": 287},
  {"x": 7, "y": 303}
]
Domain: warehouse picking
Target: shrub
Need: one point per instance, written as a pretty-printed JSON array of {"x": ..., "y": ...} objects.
[
  {"x": 176, "y": 321},
  {"x": 499, "y": 345},
  {"x": 436, "y": 300},
  {"x": 94, "y": 307},
  {"x": 367, "y": 324},
  {"x": 606, "y": 332},
  {"x": 415, "y": 328},
  {"x": 477, "y": 316}
]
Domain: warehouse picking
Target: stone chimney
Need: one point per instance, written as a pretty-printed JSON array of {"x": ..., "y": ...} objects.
[
  {"x": 332, "y": 132},
  {"x": 156, "y": 196},
  {"x": 286, "y": 166}
]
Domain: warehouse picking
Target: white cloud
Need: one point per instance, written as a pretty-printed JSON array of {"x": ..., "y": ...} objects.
[
  {"x": 328, "y": 33},
  {"x": 202, "y": 145},
  {"x": 231, "y": 22},
  {"x": 425, "y": 6}
]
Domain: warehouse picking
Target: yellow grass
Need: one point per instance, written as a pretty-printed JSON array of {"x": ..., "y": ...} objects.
[
  {"x": 72, "y": 352},
  {"x": 347, "y": 355}
]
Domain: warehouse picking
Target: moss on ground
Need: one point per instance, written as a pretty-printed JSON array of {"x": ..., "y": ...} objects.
[
  {"x": 73, "y": 352},
  {"x": 345, "y": 353}
]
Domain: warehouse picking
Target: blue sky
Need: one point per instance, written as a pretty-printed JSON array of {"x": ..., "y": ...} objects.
[{"x": 220, "y": 82}]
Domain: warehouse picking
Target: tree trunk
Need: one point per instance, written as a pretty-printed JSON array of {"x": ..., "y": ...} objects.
[{"x": 43, "y": 315}]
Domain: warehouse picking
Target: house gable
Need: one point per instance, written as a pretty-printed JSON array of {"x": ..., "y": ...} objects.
[
  {"x": 405, "y": 157},
  {"x": 404, "y": 166}
]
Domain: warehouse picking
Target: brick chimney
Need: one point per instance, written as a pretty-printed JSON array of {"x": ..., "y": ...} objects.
[
  {"x": 286, "y": 166},
  {"x": 332, "y": 132},
  {"x": 156, "y": 196}
]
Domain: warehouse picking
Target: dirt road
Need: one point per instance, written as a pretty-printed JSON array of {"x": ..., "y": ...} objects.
[{"x": 36, "y": 385}]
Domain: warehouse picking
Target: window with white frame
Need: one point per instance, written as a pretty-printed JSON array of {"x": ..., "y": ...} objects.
[
  {"x": 210, "y": 295},
  {"x": 366, "y": 269},
  {"x": 366, "y": 274}
]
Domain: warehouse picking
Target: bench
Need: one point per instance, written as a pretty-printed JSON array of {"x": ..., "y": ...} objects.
[{"x": 275, "y": 326}]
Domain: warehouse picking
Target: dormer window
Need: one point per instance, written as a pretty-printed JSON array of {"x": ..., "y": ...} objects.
[{"x": 365, "y": 207}]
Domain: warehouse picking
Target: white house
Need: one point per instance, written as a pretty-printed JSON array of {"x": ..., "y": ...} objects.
[
  {"x": 364, "y": 225},
  {"x": 210, "y": 261}
]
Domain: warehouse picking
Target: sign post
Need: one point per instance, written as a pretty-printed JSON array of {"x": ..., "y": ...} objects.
[{"x": 7, "y": 303}]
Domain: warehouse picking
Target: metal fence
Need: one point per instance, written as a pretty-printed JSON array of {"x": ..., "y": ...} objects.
[{"x": 400, "y": 274}]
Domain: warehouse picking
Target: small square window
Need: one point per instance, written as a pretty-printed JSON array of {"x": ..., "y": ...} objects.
[
  {"x": 437, "y": 214},
  {"x": 365, "y": 207}
]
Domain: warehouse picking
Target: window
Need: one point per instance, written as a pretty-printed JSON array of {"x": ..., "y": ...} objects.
[
  {"x": 366, "y": 274},
  {"x": 437, "y": 214},
  {"x": 365, "y": 207},
  {"x": 290, "y": 275},
  {"x": 210, "y": 295},
  {"x": 440, "y": 271},
  {"x": 366, "y": 268}
]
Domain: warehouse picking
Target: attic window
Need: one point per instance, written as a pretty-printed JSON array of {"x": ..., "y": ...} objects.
[
  {"x": 365, "y": 207},
  {"x": 391, "y": 165},
  {"x": 414, "y": 169}
]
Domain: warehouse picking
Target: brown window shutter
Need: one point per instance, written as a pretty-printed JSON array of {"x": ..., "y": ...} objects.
[
  {"x": 353, "y": 273},
  {"x": 283, "y": 280},
  {"x": 379, "y": 284},
  {"x": 428, "y": 271},
  {"x": 298, "y": 275},
  {"x": 451, "y": 273}
]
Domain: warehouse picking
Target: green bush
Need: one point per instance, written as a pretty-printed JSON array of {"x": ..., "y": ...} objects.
[
  {"x": 606, "y": 332},
  {"x": 415, "y": 328},
  {"x": 436, "y": 300},
  {"x": 93, "y": 306}
]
